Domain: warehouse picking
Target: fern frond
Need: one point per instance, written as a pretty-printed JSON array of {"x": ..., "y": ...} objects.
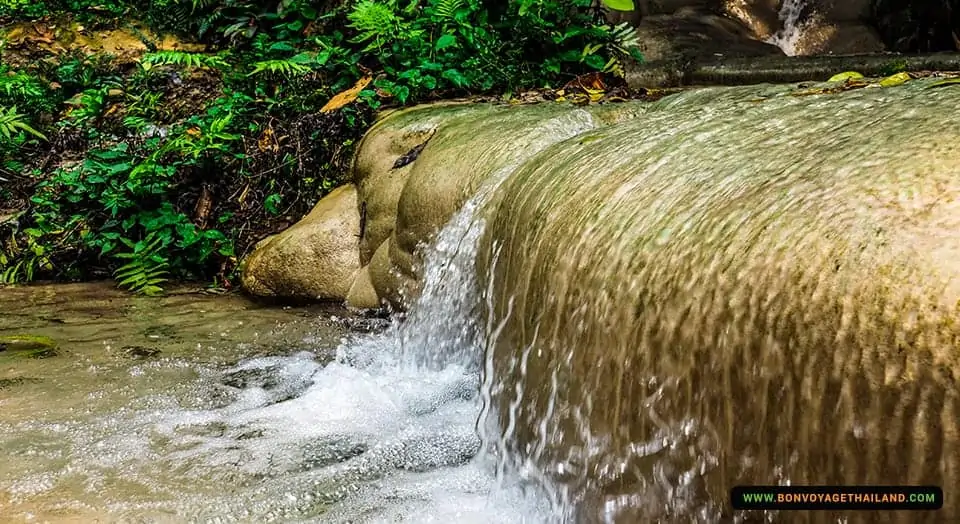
[
  {"x": 614, "y": 66},
  {"x": 184, "y": 59},
  {"x": 624, "y": 38},
  {"x": 375, "y": 21},
  {"x": 12, "y": 122},
  {"x": 21, "y": 85},
  {"x": 286, "y": 68},
  {"x": 147, "y": 268},
  {"x": 447, "y": 9}
]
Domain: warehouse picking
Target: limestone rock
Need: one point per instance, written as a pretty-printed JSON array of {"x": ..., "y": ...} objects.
[
  {"x": 33, "y": 346},
  {"x": 760, "y": 16},
  {"x": 447, "y": 156},
  {"x": 315, "y": 259},
  {"x": 378, "y": 183},
  {"x": 362, "y": 294}
]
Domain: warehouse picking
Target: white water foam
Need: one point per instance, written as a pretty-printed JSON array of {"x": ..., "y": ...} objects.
[
  {"x": 387, "y": 432},
  {"x": 792, "y": 26}
]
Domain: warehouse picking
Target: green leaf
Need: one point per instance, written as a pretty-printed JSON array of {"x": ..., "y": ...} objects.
[
  {"x": 947, "y": 82},
  {"x": 595, "y": 61},
  {"x": 271, "y": 203},
  {"x": 847, "y": 75},
  {"x": 455, "y": 77},
  {"x": 445, "y": 41},
  {"x": 895, "y": 80},
  {"x": 619, "y": 5}
]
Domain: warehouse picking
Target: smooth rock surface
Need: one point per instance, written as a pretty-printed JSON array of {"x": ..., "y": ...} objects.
[
  {"x": 316, "y": 259},
  {"x": 460, "y": 147}
]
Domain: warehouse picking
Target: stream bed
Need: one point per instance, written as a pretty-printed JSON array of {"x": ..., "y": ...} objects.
[{"x": 203, "y": 408}]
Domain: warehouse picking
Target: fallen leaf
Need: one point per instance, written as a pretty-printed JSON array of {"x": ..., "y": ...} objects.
[
  {"x": 266, "y": 142},
  {"x": 413, "y": 153},
  {"x": 895, "y": 80},
  {"x": 947, "y": 82},
  {"x": 590, "y": 81},
  {"x": 243, "y": 195},
  {"x": 345, "y": 97},
  {"x": 204, "y": 205},
  {"x": 843, "y": 77}
]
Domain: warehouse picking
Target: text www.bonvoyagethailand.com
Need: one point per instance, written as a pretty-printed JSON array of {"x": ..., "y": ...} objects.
[{"x": 837, "y": 497}]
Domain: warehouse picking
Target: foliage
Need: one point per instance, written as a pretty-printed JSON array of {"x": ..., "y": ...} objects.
[
  {"x": 174, "y": 166},
  {"x": 12, "y": 124},
  {"x": 147, "y": 268}
]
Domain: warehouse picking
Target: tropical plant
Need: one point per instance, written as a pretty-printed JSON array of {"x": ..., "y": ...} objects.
[{"x": 147, "y": 267}]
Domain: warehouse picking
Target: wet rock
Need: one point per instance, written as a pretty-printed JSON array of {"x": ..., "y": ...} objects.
[
  {"x": 162, "y": 331},
  {"x": 26, "y": 343},
  {"x": 365, "y": 324},
  {"x": 281, "y": 379},
  {"x": 732, "y": 290},
  {"x": 266, "y": 378},
  {"x": 697, "y": 36},
  {"x": 362, "y": 294},
  {"x": 316, "y": 259},
  {"x": 320, "y": 454},
  {"x": 407, "y": 206},
  {"x": 33, "y": 346}
]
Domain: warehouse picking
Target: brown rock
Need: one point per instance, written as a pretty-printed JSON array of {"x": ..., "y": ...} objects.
[
  {"x": 362, "y": 294},
  {"x": 315, "y": 259}
]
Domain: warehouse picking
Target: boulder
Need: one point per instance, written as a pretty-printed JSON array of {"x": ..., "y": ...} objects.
[
  {"x": 838, "y": 27},
  {"x": 362, "y": 294},
  {"x": 417, "y": 167},
  {"x": 316, "y": 259}
]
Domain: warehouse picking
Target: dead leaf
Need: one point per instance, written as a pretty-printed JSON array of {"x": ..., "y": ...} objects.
[
  {"x": 266, "y": 141},
  {"x": 345, "y": 97},
  {"x": 412, "y": 155},
  {"x": 204, "y": 205},
  {"x": 193, "y": 131},
  {"x": 587, "y": 82},
  {"x": 243, "y": 195}
]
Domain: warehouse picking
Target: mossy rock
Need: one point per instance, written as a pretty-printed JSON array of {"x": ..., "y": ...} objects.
[{"x": 36, "y": 346}]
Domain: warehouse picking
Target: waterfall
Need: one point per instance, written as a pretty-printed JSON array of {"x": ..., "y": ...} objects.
[
  {"x": 639, "y": 309},
  {"x": 789, "y": 34}
]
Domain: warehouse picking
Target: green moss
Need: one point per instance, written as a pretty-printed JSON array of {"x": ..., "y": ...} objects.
[{"x": 27, "y": 346}]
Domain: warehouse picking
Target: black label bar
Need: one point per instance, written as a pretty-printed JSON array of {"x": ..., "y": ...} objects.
[{"x": 837, "y": 497}]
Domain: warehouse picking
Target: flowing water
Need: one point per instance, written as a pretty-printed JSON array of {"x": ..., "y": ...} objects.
[
  {"x": 722, "y": 287},
  {"x": 251, "y": 414},
  {"x": 792, "y": 26}
]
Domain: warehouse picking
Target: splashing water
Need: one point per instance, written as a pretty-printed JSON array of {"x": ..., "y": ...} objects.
[
  {"x": 788, "y": 35},
  {"x": 385, "y": 432}
]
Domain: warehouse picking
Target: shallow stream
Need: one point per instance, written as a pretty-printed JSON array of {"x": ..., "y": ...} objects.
[{"x": 201, "y": 408}]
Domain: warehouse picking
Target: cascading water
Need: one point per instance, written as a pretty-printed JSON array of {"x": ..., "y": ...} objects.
[
  {"x": 386, "y": 432},
  {"x": 792, "y": 26},
  {"x": 750, "y": 285}
]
